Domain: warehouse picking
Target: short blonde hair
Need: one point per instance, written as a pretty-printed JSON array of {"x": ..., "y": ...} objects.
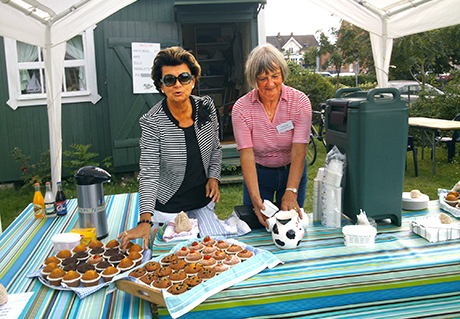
[{"x": 263, "y": 59}]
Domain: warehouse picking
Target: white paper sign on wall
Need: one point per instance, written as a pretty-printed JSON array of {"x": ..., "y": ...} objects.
[{"x": 142, "y": 57}]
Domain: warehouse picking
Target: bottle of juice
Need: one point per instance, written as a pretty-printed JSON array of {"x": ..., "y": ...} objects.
[
  {"x": 50, "y": 210},
  {"x": 61, "y": 205},
  {"x": 39, "y": 202}
]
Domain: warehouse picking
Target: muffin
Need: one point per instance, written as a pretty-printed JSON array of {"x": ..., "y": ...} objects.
[
  {"x": 178, "y": 288},
  {"x": 79, "y": 248},
  {"x": 81, "y": 255},
  {"x": 222, "y": 244},
  {"x": 196, "y": 246},
  {"x": 84, "y": 267},
  {"x": 234, "y": 249},
  {"x": 193, "y": 281},
  {"x": 206, "y": 273},
  {"x": 168, "y": 259},
  {"x": 95, "y": 243},
  {"x": 97, "y": 251},
  {"x": 231, "y": 260},
  {"x": 148, "y": 278},
  {"x": 219, "y": 255},
  {"x": 161, "y": 283},
  {"x": 181, "y": 253},
  {"x": 55, "y": 277},
  {"x": 103, "y": 266},
  {"x": 208, "y": 261},
  {"x": 48, "y": 269},
  {"x": 90, "y": 278},
  {"x": 94, "y": 260},
  {"x": 193, "y": 269},
  {"x": 69, "y": 267},
  {"x": 135, "y": 248},
  {"x": 209, "y": 249},
  {"x": 69, "y": 260},
  {"x": 178, "y": 276},
  {"x": 112, "y": 244},
  {"x": 63, "y": 254},
  {"x": 453, "y": 193},
  {"x": 193, "y": 256},
  {"x": 52, "y": 259},
  {"x": 163, "y": 271},
  {"x": 208, "y": 241},
  {"x": 135, "y": 257},
  {"x": 151, "y": 266},
  {"x": 109, "y": 273},
  {"x": 137, "y": 273},
  {"x": 71, "y": 279},
  {"x": 245, "y": 254},
  {"x": 125, "y": 264},
  {"x": 111, "y": 252},
  {"x": 116, "y": 259},
  {"x": 220, "y": 267},
  {"x": 178, "y": 264}
]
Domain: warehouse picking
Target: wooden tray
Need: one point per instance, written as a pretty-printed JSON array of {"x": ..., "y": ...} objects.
[{"x": 141, "y": 291}]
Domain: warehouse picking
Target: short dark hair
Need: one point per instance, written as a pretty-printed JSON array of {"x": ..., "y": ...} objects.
[{"x": 173, "y": 56}]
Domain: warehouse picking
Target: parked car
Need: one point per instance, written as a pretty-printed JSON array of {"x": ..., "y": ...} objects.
[
  {"x": 411, "y": 89},
  {"x": 325, "y": 74}
]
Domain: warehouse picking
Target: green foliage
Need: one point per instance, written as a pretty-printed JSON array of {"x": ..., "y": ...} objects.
[
  {"x": 33, "y": 173},
  {"x": 316, "y": 87},
  {"x": 350, "y": 81},
  {"x": 230, "y": 169},
  {"x": 80, "y": 156}
]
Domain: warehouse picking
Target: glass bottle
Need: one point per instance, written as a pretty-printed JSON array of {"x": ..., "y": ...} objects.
[
  {"x": 61, "y": 204},
  {"x": 39, "y": 203},
  {"x": 49, "y": 201}
]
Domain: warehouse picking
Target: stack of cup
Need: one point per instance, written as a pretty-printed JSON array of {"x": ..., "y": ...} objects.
[
  {"x": 331, "y": 194},
  {"x": 317, "y": 206}
]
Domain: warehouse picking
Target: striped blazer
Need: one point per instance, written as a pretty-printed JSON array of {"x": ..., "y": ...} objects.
[{"x": 164, "y": 153}]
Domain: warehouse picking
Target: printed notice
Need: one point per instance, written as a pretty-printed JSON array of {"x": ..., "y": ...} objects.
[
  {"x": 16, "y": 303},
  {"x": 142, "y": 57}
]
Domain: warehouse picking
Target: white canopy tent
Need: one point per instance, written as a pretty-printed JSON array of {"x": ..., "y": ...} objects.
[
  {"x": 390, "y": 19},
  {"x": 49, "y": 24}
]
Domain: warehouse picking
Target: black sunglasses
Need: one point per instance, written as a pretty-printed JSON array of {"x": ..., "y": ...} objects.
[{"x": 170, "y": 80}]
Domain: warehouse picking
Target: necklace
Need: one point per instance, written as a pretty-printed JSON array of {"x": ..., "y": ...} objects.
[{"x": 270, "y": 114}]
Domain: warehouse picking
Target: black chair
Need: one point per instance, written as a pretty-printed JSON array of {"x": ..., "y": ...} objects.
[
  {"x": 413, "y": 149},
  {"x": 225, "y": 118},
  {"x": 450, "y": 141}
]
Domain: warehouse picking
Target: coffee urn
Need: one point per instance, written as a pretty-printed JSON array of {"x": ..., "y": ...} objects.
[{"x": 91, "y": 201}]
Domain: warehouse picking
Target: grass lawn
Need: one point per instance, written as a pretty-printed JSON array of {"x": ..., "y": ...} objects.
[{"x": 13, "y": 201}]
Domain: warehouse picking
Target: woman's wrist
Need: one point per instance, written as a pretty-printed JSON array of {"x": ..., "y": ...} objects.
[{"x": 146, "y": 221}]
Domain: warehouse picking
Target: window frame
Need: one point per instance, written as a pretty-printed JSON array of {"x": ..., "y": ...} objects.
[{"x": 17, "y": 99}]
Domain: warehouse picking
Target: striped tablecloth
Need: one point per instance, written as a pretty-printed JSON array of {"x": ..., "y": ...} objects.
[
  {"x": 26, "y": 243},
  {"x": 402, "y": 276}
]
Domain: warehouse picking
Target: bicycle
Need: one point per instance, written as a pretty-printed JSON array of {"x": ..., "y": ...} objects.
[{"x": 319, "y": 135}]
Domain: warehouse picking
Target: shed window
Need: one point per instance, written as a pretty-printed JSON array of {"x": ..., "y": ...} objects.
[{"x": 26, "y": 70}]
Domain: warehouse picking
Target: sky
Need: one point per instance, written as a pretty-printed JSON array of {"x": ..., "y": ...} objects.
[{"x": 299, "y": 16}]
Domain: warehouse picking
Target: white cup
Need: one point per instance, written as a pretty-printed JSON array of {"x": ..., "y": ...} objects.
[{"x": 270, "y": 208}]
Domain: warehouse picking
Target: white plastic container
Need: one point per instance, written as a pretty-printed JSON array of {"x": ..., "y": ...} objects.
[
  {"x": 65, "y": 241},
  {"x": 359, "y": 235}
]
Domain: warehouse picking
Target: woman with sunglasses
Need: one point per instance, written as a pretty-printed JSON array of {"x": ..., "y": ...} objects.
[
  {"x": 271, "y": 125},
  {"x": 181, "y": 154}
]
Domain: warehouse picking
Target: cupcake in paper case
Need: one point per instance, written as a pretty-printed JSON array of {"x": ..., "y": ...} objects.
[
  {"x": 71, "y": 279},
  {"x": 178, "y": 288},
  {"x": 222, "y": 244},
  {"x": 152, "y": 266},
  {"x": 136, "y": 257},
  {"x": 103, "y": 266},
  {"x": 182, "y": 253},
  {"x": 112, "y": 244},
  {"x": 84, "y": 267},
  {"x": 125, "y": 265},
  {"x": 165, "y": 261},
  {"x": 90, "y": 278},
  {"x": 81, "y": 255},
  {"x": 97, "y": 251},
  {"x": 178, "y": 264},
  {"x": 52, "y": 259},
  {"x": 161, "y": 283},
  {"x": 219, "y": 255},
  {"x": 71, "y": 266},
  {"x": 135, "y": 248},
  {"x": 196, "y": 246},
  {"x": 63, "y": 254},
  {"x": 79, "y": 248},
  {"x": 116, "y": 259},
  {"x": 193, "y": 281},
  {"x": 208, "y": 261},
  {"x": 111, "y": 252},
  {"x": 193, "y": 257},
  {"x": 95, "y": 243},
  {"x": 208, "y": 241},
  {"x": 95, "y": 259},
  {"x": 148, "y": 278},
  {"x": 178, "y": 276},
  {"x": 48, "y": 269},
  {"x": 164, "y": 271},
  {"x": 231, "y": 260},
  {"x": 55, "y": 277},
  {"x": 110, "y": 272},
  {"x": 206, "y": 273},
  {"x": 220, "y": 267},
  {"x": 193, "y": 269},
  {"x": 209, "y": 249},
  {"x": 234, "y": 249},
  {"x": 137, "y": 273},
  {"x": 245, "y": 254},
  {"x": 69, "y": 260}
]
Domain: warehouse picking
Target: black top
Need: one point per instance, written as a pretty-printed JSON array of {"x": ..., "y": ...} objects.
[{"x": 192, "y": 192}]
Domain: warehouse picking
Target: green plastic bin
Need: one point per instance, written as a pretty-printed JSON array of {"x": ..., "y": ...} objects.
[{"x": 371, "y": 128}]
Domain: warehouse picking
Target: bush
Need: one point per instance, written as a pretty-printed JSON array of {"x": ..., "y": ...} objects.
[
  {"x": 80, "y": 157},
  {"x": 33, "y": 173}
]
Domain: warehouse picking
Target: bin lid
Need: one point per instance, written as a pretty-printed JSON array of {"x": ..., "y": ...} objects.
[{"x": 88, "y": 175}]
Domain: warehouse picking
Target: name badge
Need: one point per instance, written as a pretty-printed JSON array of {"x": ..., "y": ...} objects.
[{"x": 284, "y": 127}]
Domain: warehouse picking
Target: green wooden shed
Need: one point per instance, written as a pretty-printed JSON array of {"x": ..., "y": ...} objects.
[{"x": 104, "y": 112}]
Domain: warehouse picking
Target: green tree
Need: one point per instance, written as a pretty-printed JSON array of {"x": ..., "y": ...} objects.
[{"x": 309, "y": 58}]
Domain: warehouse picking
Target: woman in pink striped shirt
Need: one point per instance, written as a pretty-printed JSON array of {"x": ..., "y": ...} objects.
[{"x": 271, "y": 125}]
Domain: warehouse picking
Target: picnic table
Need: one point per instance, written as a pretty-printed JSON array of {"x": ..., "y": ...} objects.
[{"x": 402, "y": 275}]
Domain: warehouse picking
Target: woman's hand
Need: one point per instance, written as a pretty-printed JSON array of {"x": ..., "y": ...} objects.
[
  {"x": 212, "y": 189},
  {"x": 140, "y": 231},
  {"x": 258, "y": 205},
  {"x": 289, "y": 201}
]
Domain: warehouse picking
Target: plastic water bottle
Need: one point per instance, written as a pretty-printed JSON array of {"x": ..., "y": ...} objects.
[
  {"x": 39, "y": 203},
  {"x": 61, "y": 204},
  {"x": 50, "y": 211}
]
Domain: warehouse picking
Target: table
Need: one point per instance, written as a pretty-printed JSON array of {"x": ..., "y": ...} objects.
[
  {"x": 403, "y": 275},
  {"x": 430, "y": 124}
]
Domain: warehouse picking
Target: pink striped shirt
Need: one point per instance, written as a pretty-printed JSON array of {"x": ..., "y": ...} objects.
[{"x": 253, "y": 129}]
